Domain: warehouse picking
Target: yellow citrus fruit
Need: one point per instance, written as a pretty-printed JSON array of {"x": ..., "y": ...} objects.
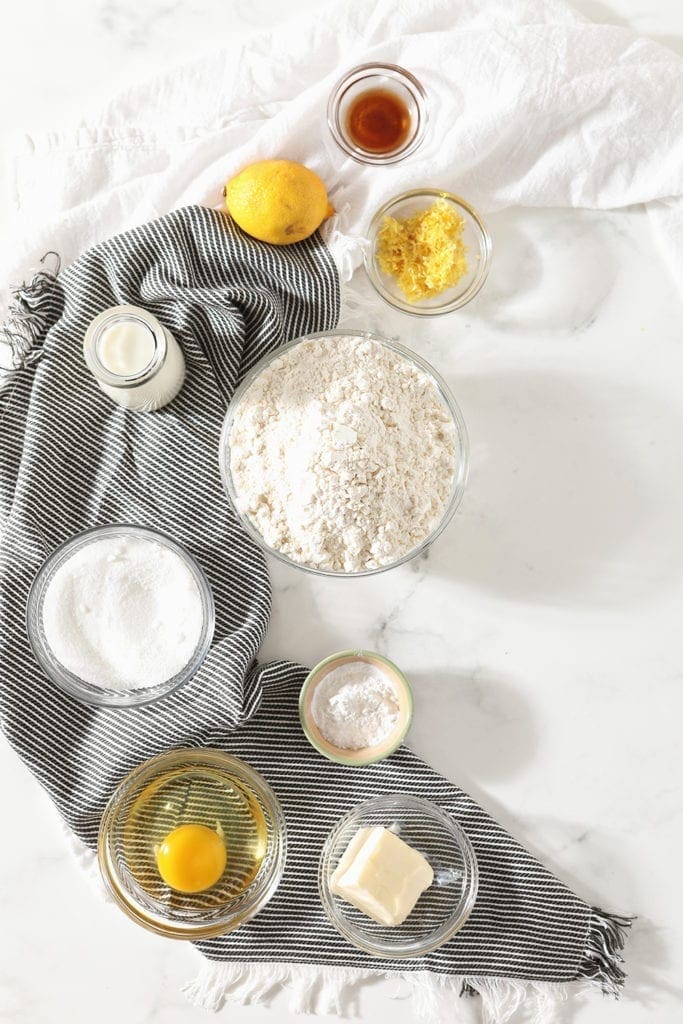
[{"x": 278, "y": 201}]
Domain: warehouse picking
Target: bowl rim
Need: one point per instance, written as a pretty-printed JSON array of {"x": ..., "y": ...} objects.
[
  {"x": 74, "y": 685},
  {"x": 459, "y": 478},
  {"x": 206, "y": 756},
  {"x": 327, "y": 751},
  {"x": 475, "y": 285},
  {"x": 356, "y": 74},
  {"x": 470, "y": 886}
]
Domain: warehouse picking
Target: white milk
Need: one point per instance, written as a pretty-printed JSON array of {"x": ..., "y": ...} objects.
[
  {"x": 127, "y": 347},
  {"x": 135, "y": 360}
]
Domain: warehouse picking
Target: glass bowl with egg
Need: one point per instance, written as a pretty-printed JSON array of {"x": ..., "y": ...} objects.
[
  {"x": 396, "y": 899},
  {"x": 192, "y": 844},
  {"x": 283, "y": 432},
  {"x": 411, "y": 274},
  {"x": 377, "y": 726},
  {"x": 120, "y": 615}
]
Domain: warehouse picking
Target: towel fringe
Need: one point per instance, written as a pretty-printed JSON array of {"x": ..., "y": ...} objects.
[
  {"x": 30, "y": 311},
  {"x": 330, "y": 990},
  {"x": 335, "y": 990},
  {"x": 359, "y": 308},
  {"x": 607, "y": 934}
]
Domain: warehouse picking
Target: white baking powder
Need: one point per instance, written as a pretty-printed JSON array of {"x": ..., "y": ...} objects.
[
  {"x": 123, "y": 613},
  {"x": 342, "y": 453},
  {"x": 355, "y": 706}
]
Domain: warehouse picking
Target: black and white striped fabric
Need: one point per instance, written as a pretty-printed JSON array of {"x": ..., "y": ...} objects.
[{"x": 71, "y": 459}]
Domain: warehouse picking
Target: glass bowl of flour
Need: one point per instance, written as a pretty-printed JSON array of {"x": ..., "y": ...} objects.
[
  {"x": 120, "y": 615},
  {"x": 344, "y": 453}
]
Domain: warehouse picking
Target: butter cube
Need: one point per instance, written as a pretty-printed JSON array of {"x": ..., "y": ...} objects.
[{"x": 381, "y": 875}]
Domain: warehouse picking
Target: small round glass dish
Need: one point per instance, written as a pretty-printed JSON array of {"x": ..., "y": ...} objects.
[
  {"x": 192, "y": 787},
  {"x": 367, "y": 78},
  {"x": 477, "y": 243},
  {"x": 441, "y": 910},
  {"x": 461, "y": 454},
  {"x": 73, "y": 684},
  {"x": 363, "y": 755}
]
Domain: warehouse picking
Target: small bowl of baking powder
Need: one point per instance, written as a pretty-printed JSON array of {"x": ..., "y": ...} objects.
[{"x": 356, "y": 707}]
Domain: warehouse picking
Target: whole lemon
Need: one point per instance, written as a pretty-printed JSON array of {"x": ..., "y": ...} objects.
[{"x": 278, "y": 201}]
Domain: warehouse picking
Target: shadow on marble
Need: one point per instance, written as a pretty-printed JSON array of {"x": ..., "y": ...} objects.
[
  {"x": 646, "y": 961},
  {"x": 490, "y": 735},
  {"x": 299, "y": 627},
  {"x": 647, "y": 957},
  {"x": 551, "y": 271},
  {"x": 589, "y": 862},
  {"x": 572, "y": 494}
]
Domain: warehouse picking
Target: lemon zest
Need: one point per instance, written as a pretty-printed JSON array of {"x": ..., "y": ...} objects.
[{"x": 424, "y": 252}]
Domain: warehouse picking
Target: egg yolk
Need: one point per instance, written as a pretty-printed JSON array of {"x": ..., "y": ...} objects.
[{"x": 191, "y": 858}]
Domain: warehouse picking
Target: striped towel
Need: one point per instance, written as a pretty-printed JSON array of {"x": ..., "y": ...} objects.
[{"x": 70, "y": 459}]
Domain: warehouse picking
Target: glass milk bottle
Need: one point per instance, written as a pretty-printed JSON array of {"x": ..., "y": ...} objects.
[{"x": 133, "y": 358}]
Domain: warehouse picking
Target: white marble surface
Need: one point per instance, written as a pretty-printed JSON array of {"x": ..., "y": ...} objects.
[{"x": 542, "y": 633}]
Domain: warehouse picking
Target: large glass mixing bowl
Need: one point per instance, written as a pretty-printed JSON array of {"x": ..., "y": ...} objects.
[{"x": 459, "y": 470}]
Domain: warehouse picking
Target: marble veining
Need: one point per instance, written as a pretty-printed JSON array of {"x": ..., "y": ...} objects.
[{"x": 541, "y": 632}]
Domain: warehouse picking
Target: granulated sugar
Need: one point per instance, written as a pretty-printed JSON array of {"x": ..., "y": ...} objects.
[
  {"x": 355, "y": 706},
  {"x": 342, "y": 454},
  {"x": 123, "y": 613}
]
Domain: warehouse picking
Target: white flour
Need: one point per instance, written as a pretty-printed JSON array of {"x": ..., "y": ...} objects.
[
  {"x": 343, "y": 454},
  {"x": 123, "y": 613},
  {"x": 355, "y": 706}
]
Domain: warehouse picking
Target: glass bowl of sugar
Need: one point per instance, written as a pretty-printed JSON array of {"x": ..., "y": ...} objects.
[
  {"x": 356, "y": 707},
  {"x": 120, "y": 615}
]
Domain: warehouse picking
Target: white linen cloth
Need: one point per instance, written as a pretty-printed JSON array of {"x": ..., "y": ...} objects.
[{"x": 530, "y": 104}]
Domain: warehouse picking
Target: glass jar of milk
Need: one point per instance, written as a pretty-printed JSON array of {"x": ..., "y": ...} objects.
[{"x": 133, "y": 358}]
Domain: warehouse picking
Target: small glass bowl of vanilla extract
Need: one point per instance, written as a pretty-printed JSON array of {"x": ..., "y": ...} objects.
[{"x": 377, "y": 113}]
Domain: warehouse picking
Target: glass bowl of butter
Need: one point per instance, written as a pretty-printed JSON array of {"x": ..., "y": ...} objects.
[{"x": 398, "y": 876}]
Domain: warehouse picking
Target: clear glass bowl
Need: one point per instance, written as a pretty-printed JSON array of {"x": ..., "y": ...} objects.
[
  {"x": 367, "y": 755},
  {"x": 477, "y": 242},
  {"x": 459, "y": 476},
  {"x": 391, "y": 78},
  {"x": 195, "y": 786},
  {"x": 81, "y": 688},
  {"x": 441, "y": 910}
]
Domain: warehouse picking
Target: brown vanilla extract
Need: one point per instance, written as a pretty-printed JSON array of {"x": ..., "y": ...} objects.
[{"x": 378, "y": 121}]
